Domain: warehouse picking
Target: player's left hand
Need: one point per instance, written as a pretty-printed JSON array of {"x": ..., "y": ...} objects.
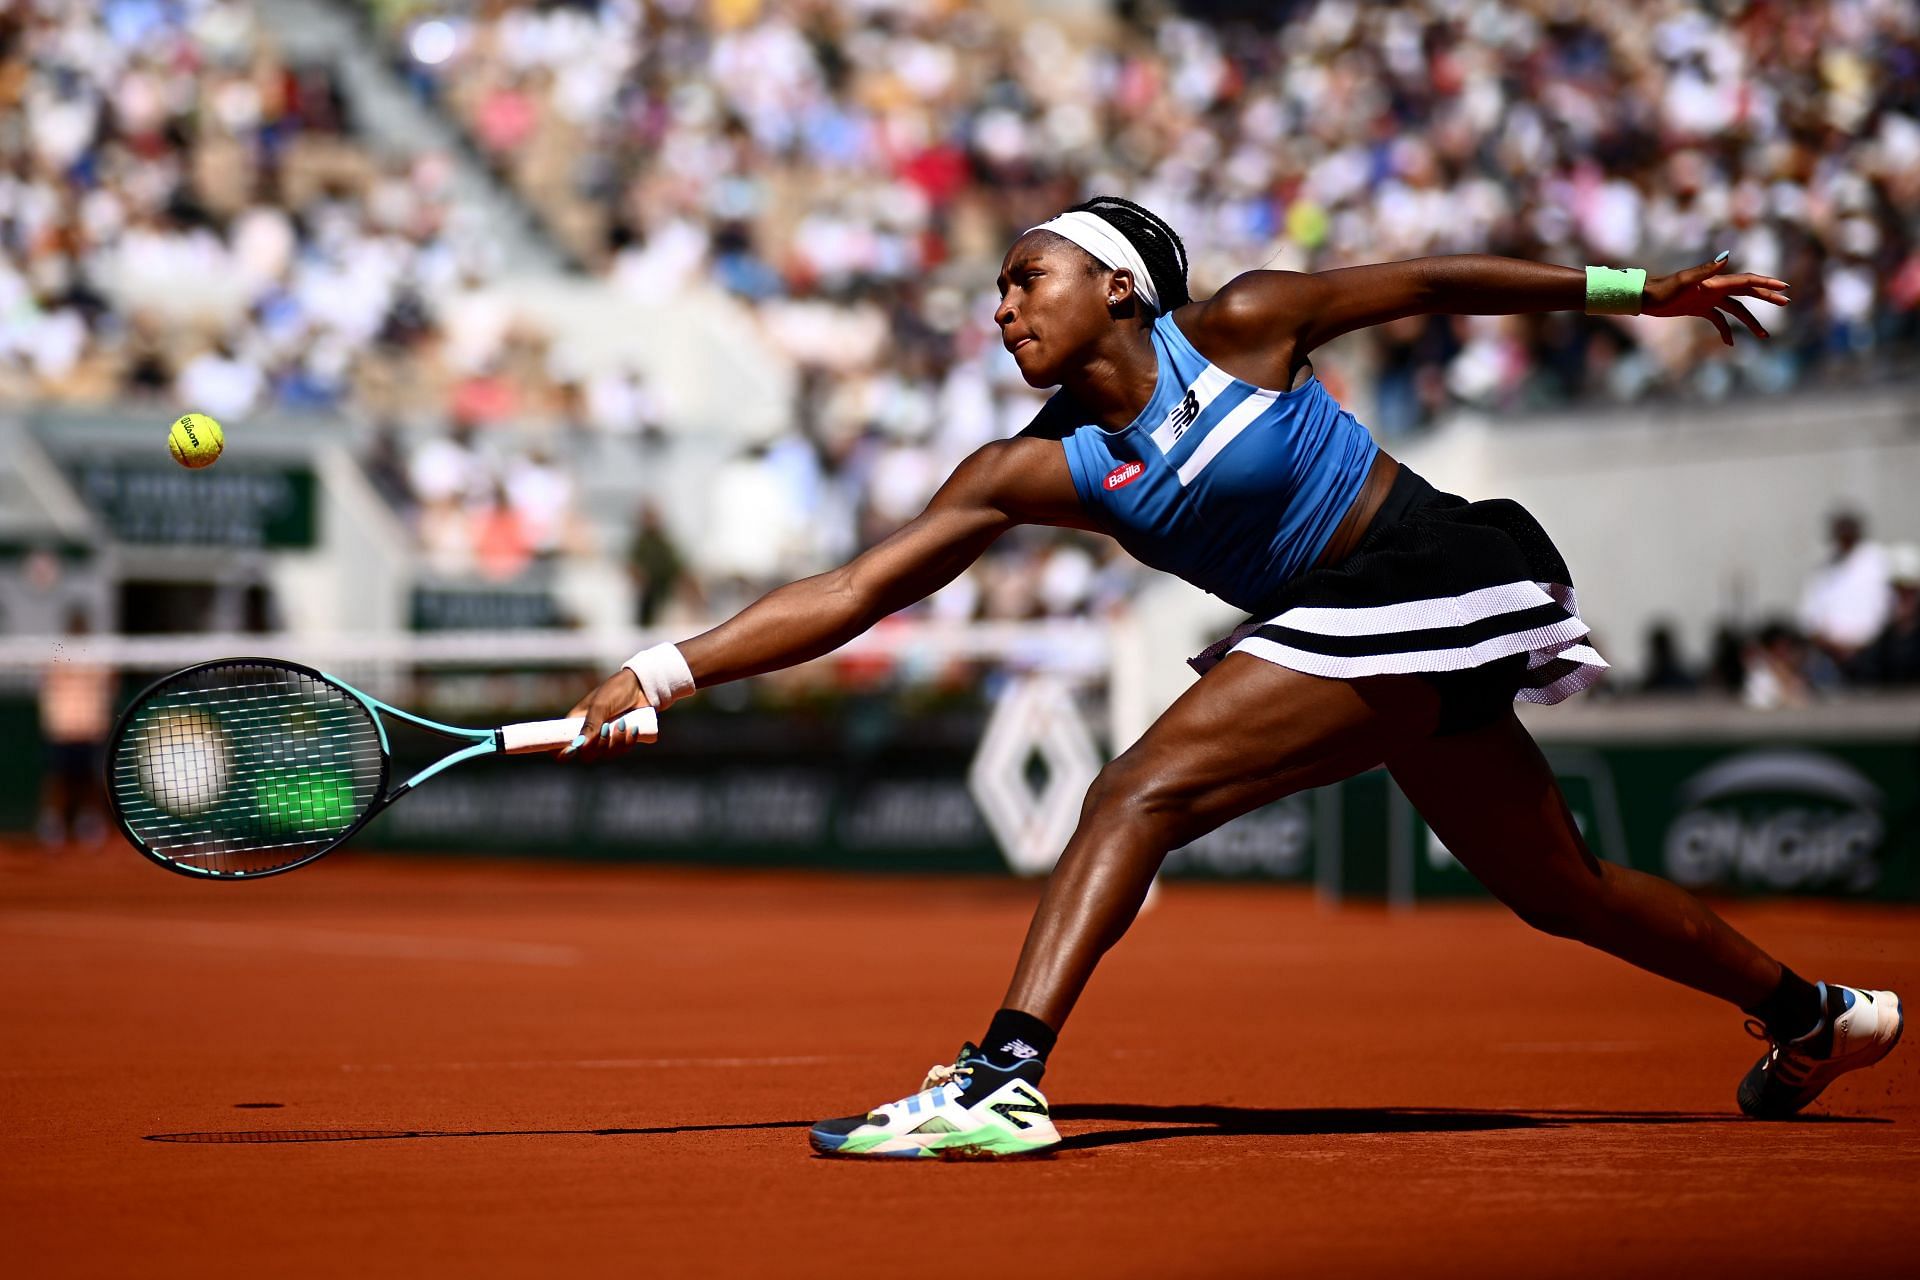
[{"x": 1703, "y": 291}]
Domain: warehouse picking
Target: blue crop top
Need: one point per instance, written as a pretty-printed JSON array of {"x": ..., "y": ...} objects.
[{"x": 1233, "y": 487}]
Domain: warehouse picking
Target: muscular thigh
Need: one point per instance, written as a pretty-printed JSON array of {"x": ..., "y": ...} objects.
[
  {"x": 1250, "y": 732},
  {"x": 1493, "y": 801}
]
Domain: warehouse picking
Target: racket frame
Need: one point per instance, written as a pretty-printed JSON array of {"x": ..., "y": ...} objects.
[{"x": 481, "y": 742}]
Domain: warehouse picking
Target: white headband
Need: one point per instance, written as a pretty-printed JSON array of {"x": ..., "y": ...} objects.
[{"x": 1111, "y": 249}]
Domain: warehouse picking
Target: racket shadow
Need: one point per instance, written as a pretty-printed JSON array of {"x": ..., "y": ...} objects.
[{"x": 252, "y": 1136}]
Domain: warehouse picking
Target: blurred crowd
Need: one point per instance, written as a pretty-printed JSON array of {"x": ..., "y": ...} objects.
[
  {"x": 188, "y": 218},
  {"x": 856, "y": 167},
  {"x": 184, "y": 214},
  {"x": 1858, "y": 627},
  {"x": 852, "y": 170}
]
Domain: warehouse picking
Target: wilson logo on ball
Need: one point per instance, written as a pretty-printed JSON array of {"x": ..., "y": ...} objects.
[{"x": 1124, "y": 474}]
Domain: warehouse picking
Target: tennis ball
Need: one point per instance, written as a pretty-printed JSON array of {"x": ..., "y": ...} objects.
[
  {"x": 184, "y": 761},
  {"x": 196, "y": 440}
]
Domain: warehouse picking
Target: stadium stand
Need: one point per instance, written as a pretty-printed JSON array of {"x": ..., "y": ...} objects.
[
  {"x": 851, "y": 171},
  {"x": 835, "y": 155},
  {"x": 191, "y": 214}
]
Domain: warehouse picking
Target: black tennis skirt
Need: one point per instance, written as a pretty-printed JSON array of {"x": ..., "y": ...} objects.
[{"x": 1472, "y": 596}]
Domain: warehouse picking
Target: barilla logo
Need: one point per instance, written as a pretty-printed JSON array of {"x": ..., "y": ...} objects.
[{"x": 1124, "y": 474}]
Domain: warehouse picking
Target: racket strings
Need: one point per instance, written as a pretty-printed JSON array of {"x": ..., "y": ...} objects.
[{"x": 245, "y": 767}]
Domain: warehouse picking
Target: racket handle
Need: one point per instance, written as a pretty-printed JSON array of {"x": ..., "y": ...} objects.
[{"x": 557, "y": 735}]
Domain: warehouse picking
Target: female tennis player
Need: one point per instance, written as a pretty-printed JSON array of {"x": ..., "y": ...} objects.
[{"x": 1390, "y": 624}]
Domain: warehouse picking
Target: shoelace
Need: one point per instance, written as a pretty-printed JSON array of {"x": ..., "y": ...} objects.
[
  {"x": 1786, "y": 1065},
  {"x": 939, "y": 1075}
]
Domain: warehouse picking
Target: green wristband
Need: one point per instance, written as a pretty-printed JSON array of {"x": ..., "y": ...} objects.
[{"x": 1613, "y": 292}]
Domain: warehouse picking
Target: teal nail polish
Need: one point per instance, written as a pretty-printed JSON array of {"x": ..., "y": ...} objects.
[
  {"x": 579, "y": 740},
  {"x": 1724, "y": 255}
]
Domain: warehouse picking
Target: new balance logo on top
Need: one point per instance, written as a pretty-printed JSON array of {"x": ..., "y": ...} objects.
[
  {"x": 1182, "y": 415},
  {"x": 1020, "y": 1049}
]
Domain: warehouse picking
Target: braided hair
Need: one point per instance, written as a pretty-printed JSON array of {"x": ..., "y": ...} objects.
[{"x": 1158, "y": 244}]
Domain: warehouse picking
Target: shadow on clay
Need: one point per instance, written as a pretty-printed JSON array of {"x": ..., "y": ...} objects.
[
  {"x": 392, "y": 1135},
  {"x": 1204, "y": 1121},
  {"x": 1159, "y": 1123}
]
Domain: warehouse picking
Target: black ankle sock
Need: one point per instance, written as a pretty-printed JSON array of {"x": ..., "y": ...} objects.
[
  {"x": 1015, "y": 1038},
  {"x": 1793, "y": 1009}
]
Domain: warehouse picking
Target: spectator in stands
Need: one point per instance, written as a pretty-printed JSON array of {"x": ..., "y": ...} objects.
[
  {"x": 1776, "y": 669},
  {"x": 502, "y": 543},
  {"x": 619, "y": 402},
  {"x": 1893, "y": 657},
  {"x": 1665, "y": 672},
  {"x": 76, "y": 713},
  {"x": 1846, "y": 600},
  {"x": 759, "y": 527},
  {"x": 449, "y": 468},
  {"x": 221, "y": 383},
  {"x": 541, "y": 494},
  {"x": 660, "y": 573},
  {"x": 1727, "y": 667},
  {"x": 386, "y": 469}
]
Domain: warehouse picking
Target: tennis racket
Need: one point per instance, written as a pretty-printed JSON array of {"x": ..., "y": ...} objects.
[{"x": 247, "y": 767}]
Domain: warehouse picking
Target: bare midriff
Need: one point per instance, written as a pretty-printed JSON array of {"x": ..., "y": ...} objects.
[{"x": 1359, "y": 518}]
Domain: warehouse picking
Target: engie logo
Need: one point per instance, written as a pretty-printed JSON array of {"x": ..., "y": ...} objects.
[
  {"x": 1778, "y": 820},
  {"x": 1124, "y": 474}
]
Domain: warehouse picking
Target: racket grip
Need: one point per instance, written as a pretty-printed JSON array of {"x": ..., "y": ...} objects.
[{"x": 557, "y": 735}]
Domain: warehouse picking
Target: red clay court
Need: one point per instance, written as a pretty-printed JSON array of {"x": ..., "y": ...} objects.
[{"x": 437, "y": 1067}]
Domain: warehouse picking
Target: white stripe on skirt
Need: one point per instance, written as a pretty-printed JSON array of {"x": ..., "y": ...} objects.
[
  {"x": 1424, "y": 615},
  {"x": 1553, "y": 647},
  {"x": 1348, "y": 667},
  {"x": 1581, "y": 677}
]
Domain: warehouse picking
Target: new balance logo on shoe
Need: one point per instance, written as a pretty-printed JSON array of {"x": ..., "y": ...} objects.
[
  {"x": 1019, "y": 1108},
  {"x": 1020, "y": 1049}
]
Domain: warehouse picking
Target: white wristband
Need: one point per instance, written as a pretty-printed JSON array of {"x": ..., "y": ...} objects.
[{"x": 663, "y": 674}]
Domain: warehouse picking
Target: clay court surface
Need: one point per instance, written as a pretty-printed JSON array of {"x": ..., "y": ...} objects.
[{"x": 424, "y": 1068}]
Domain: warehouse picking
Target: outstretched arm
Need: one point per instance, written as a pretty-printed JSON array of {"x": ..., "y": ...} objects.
[
  {"x": 1314, "y": 308},
  {"x": 1003, "y": 484}
]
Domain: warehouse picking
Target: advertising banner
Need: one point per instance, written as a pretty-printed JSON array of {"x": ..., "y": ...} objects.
[
  {"x": 235, "y": 506},
  {"x": 446, "y": 608},
  {"x": 1833, "y": 819},
  {"x": 872, "y": 793},
  {"x": 867, "y": 783}
]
